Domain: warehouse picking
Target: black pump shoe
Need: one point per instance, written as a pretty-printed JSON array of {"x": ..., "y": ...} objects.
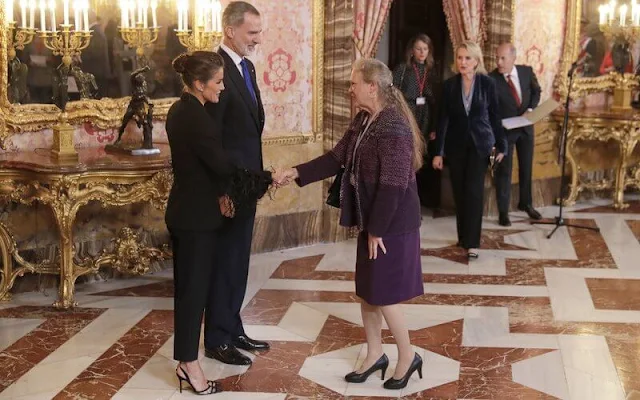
[
  {"x": 382, "y": 364},
  {"x": 416, "y": 365}
]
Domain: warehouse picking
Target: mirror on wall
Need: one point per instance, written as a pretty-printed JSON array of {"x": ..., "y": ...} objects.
[
  {"x": 103, "y": 68},
  {"x": 600, "y": 54}
]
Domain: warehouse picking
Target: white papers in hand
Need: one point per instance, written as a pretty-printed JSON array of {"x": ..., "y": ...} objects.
[{"x": 530, "y": 118}]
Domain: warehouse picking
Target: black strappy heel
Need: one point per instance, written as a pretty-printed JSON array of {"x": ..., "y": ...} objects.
[{"x": 212, "y": 386}]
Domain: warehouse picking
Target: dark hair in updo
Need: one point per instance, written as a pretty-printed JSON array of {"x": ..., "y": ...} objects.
[{"x": 197, "y": 66}]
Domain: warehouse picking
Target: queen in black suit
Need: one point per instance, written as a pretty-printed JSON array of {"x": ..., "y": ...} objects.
[
  {"x": 206, "y": 190},
  {"x": 468, "y": 128}
]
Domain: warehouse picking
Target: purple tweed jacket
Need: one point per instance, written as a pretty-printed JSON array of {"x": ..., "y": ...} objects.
[{"x": 384, "y": 200}]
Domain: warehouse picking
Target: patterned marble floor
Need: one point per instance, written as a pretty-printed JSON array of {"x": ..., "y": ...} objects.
[{"x": 532, "y": 318}]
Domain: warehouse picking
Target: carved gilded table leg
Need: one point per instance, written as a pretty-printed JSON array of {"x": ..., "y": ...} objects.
[
  {"x": 65, "y": 214},
  {"x": 626, "y": 148},
  {"x": 574, "y": 187}
]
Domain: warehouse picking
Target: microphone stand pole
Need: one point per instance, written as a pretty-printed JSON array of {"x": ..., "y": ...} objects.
[{"x": 559, "y": 220}]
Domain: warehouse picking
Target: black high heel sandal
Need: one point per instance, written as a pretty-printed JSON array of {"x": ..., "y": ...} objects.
[
  {"x": 212, "y": 386},
  {"x": 416, "y": 365},
  {"x": 381, "y": 364}
]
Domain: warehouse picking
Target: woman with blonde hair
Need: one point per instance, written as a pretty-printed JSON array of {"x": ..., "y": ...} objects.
[
  {"x": 468, "y": 128},
  {"x": 381, "y": 152}
]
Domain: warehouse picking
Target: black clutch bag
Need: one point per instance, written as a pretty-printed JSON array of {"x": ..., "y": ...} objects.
[{"x": 333, "y": 197}]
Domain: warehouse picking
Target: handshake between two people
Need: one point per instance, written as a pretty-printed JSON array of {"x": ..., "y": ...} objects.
[
  {"x": 245, "y": 188},
  {"x": 283, "y": 177}
]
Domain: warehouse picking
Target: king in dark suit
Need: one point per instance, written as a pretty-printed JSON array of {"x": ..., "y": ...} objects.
[
  {"x": 239, "y": 117},
  {"x": 518, "y": 91}
]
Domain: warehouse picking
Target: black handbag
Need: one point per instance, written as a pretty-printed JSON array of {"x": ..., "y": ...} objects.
[{"x": 333, "y": 197}]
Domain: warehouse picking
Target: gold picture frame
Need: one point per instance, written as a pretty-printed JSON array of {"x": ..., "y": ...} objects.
[{"x": 107, "y": 113}]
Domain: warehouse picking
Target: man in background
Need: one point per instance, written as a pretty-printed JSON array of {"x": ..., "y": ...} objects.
[{"x": 518, "y": 92}]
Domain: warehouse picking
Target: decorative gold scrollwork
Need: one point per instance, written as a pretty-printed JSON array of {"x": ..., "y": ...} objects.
[{"x": 128, "y": 256}]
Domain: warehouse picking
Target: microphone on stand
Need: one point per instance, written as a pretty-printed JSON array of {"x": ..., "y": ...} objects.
[{"x": 579, "y": 63}]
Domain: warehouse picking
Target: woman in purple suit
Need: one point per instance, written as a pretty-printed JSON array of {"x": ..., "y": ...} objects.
[{"x": 381, "y": 152}]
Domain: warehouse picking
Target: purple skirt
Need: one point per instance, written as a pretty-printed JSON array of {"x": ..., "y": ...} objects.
[{"x": 393, "y": 277}]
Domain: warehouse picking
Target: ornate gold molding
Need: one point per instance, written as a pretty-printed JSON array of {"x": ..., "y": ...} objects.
[
  {"x": 107, "y": 113},
  {"x": 583, "y": 86}
]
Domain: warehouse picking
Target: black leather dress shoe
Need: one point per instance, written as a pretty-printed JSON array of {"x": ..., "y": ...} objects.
[
  {"x": 503, "y": 219},
  {"x": 227, "y": 354},
  {"x": 244, "y": 342},
  {"x": 531, "y": 212}
]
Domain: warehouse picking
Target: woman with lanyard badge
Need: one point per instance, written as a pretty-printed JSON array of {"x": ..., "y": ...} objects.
[{"x": 416, "y": 79}]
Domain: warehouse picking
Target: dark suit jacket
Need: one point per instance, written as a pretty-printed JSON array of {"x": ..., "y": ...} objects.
[
  {"x": 238, "y": 119},
  {"x": 530, "y": 94},
  {"x": 483, "y": 122},
  {"x": 199, "y": 167}
]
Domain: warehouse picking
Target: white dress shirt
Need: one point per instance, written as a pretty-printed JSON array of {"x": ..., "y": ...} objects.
[
  {"x": 515, "y": 79},
  {"x": 237, "y": 59}
]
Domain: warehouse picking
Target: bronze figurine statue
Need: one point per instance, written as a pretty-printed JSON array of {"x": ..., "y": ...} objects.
[{"x": 140, "y": 109}]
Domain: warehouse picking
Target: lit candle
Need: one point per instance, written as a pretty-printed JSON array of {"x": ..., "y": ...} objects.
[
  {"x": 65, "y": 12},
  {"x": 139, "y": 11},
  {"x": 219, "y": 16},
  {"x": 76, "y": 15},
  {"x": 43, "y": 16},
  {"x": 9, "y": 10},
  {"x": 612, "y": 11},
  {"x": 603, "y": 15},
  {"x": 23, "y": 13},
  {"x": 85, "y": 9},
  {"x": 154, "y": 16},
  {"x": 179, "y": 3},
  {"x": 32, "y": 14},
  {"x": 132, "y": 14},
  {"x": 213, "y": 16},
  {"x": 623, "y": 15},
  {"x": 185, "y": 15},
  {"x": 145, "y": 13},
  {"x": 52, "y": 9}
]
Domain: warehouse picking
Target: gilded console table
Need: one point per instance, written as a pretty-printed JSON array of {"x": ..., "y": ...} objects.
[
  {"x": 111, "y": 180},
  {"x": 602, "y": 125}
]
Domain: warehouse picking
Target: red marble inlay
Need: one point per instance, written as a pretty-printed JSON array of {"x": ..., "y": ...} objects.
[
  {"x": 492, "y": 239},
  {"x": 305, "y": 268},
  {"x": 590, "y": 248},
  {"x": 159, "y": 289},
  {"x": 486, "y": 372},
  {"x": 614, "y": 294},
  {"x": 105, "y": 376},
  {"x": 58, "y": 327},
  {"x": 635, "y": 228}
]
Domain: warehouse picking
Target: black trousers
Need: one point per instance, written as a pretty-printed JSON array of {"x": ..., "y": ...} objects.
[
  {"x": 523, "y": 143},
  {"x": 467, "y": 169},
  {"x": 229, "y": 282},
  {"x": 193, "y": 267},
  {"x": 429, "y": 180}
]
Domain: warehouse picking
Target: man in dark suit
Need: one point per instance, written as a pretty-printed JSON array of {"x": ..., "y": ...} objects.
[
  {"x": 518, "y": 92},
  {"x": 239, "y": 119}
]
